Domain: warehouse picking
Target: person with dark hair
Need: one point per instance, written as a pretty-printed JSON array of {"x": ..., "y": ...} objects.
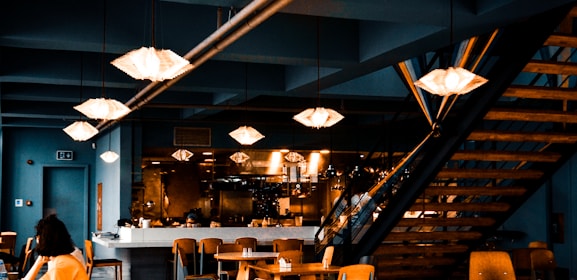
[{"x": 56, "y": 248}]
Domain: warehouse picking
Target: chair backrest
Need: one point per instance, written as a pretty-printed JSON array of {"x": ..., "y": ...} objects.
[
  {"x": 487, "y": 265},
  {"x": 538, "y": 244},
  {"x": 279, "y": 245},
  {"x": 180, "y": 263},
  {"x": 357, "y": 272},
  {"x": 226, "y": 248},
  {"x": 295, "y": 256},
  {"x": 89, "y": 253},
  {"x": 247, "y": 242},
  {"x": 8, "y": 244},
  {"x": 328, "y": 255},
  {"x": 543, "y": 264},
  {"x": 26, "y": 256},
  {"x": 209, "y": 245},
  {"x": 188, "y": 245}
]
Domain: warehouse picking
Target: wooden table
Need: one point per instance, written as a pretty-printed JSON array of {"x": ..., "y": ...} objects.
[
  {"x": 258, "y": 258},
  {"x": 304, "y": 269}
]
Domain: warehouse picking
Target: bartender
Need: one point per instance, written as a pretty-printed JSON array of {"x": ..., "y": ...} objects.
[{"x": 191, "y": 220}]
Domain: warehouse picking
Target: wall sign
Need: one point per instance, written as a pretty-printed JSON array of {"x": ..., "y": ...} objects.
[{"x": 64, "y": 155}]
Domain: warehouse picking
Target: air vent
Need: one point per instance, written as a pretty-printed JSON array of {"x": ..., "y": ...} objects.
[{"x": 192, "y": 136}]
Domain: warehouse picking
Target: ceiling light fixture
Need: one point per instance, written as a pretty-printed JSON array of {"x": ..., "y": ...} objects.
[
  {"x": 151, "y": 63},
  {"x": 318, "y": 117},
  {"x": 103, "y": 108},
  {"x": 182, "y": 155},
  {"x": 294, "y": 157},
  {"x": 453, "y": 80},
  {"x": 246, "y": 135},
  {"x": 109, "y": 156},
  {"x": 239, "y": 157},
  {"x": 81, "y": 130}
]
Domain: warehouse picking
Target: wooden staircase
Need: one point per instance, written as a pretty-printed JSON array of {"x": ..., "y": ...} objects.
[
  {"x": 527, "y": 134},
  {"x": 485, "y": 164}
]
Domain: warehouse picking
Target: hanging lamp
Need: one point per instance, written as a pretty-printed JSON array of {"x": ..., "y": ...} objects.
[
  {"x": 103, "y": 108},
  {"x": 109, "y": 156},
  {"x": 181, "y": 154},
  {"x": 149, "y": 63},
  {"x": 246, "y": 135},
  {"x": 239, "y": 157},
  {"x": 318, "y": 117},
  {"x": 81, "y": 130},
  {"x": 453, "y": 80}
]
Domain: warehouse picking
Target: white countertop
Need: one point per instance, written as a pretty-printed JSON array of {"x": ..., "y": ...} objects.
[{"x": 163, "y": 237}]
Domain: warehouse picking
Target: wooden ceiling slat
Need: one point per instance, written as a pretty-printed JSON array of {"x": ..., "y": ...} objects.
[
  {"x": 489, "y": 173},
  {"x": 531, "y": 116},
  {"x": 562, "y": 40},
  {"x": 445, "y": 222},
  {"x": 418, "y": 249},
  {"x": 476, "y": 190},
  {"x": 522, "y": 136},
  {"x": 551, "y": 67},
  {"x": 506, "y": 156},
  {"x": 471, "y": 206},
  {"x": 435, "y": 235},
  {"x": 539, "y": 92}
]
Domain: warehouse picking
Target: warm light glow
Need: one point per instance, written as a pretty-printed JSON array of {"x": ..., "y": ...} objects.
[
  {"x": 239, "y": 157},
  {"x": 314, "y": 160},
  {"x": 182, "y": 155},
  {"x": 454, "y": 80},
  {"x": 284, "y": 151},
  {"x": 325, "y": 151},
  {"x": 80, "y": 130},
  {"x": 103, "y": 109},
  {"x": 294, "y": 157},
  {"x": 274, "y": 163},
  {"x": 207, "y": 153},
  {"x": 109, "y": 156},
  {"x": 318, "y": 117},
  {"x": 152, "y": 64},
  {"x": 246, "y": 135}
]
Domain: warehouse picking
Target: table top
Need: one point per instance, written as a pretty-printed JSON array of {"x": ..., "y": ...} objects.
[
  {"x": 296, "y": 269},
  {"x": 238, "y": 256}
]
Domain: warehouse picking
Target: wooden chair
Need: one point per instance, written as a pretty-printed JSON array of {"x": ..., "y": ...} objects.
[
  {"x": 328, "y": 255},
  {"x": 488, "y": 265},
  {"x": 207, "y": 247},
  {"x": 247, "y": 242},
  {"x": 181, "y": 268},
  {"x": 188, "y": 247},
  {"x": 285, "y": 244},
  {"x": 226, "y": 269},
  {"x": 357, "y": 272},
  {"x": 25, "y": 257},
  {"x": 538, "y": 244},
  {"x": 543, "y": 264},
  {"x": 91, "y": 262},
  {"x": 521, "y": 258},
  {"x": 295, "y": 256},
  {"x": 8, "y": 244}
]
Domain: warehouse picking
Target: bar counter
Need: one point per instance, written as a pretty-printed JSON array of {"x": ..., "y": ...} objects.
[{"x": 144, "y": 251}]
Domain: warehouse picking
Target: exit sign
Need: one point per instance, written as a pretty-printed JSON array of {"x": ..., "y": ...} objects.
[{"x": 64, "y": 155}]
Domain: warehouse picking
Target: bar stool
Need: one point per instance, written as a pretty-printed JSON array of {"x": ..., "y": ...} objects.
[
  {"x": 207, "y": 248},
  {"x": 91, "y": 262}
]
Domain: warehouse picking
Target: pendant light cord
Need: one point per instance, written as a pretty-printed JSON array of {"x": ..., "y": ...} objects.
[
  {"x": 103, "y": 48},
  {"x": 153, "y": 39},
  {"x": 318, "y": 63}
]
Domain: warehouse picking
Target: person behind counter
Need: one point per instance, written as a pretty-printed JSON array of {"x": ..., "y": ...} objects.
[{"x": 55, "y": 247}]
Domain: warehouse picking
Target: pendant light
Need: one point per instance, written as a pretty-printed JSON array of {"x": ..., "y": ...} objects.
[
  {"x": 318, "y": 117},
  {"x": 246, "y": 135},
  {"x": 81, "y": 130},
  {"x": 181, "y": 154},
  {"x": 149, "y": 63},
  {"x": 103, "y": 108},
  {"x": 109, "y": 156},
  {"x": 453, "y": 80}
]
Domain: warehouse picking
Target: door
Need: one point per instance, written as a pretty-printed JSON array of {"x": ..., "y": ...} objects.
[{"x": 65, "y": 193}]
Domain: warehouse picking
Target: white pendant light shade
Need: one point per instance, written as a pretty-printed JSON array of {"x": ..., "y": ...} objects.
[
  {"x": 152, "y": 64},
  {"x": 109, "y": 156},
  {"x": 294, "y": 157},
  {"x": 103, "y": 109},
  {"x": 239, "y": 157},
  {"x": 182, "y": 155},
  {"x": 454, "y": 80},
  {"x": 80, "y": 130},
  {"x": 246, "y": 135},
  {"x": 318, "y": 117}
]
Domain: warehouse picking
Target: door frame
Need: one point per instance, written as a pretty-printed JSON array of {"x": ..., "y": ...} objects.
[{"x": 86, "y": 195}]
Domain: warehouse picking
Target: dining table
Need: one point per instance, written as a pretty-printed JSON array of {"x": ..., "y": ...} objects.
[
  {"x": 244, "y": 260},
  {"x": 304, "y": 270}
]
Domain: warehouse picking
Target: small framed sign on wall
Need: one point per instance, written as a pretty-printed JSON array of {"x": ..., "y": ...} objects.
[{"x": 64, "y": 155}]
